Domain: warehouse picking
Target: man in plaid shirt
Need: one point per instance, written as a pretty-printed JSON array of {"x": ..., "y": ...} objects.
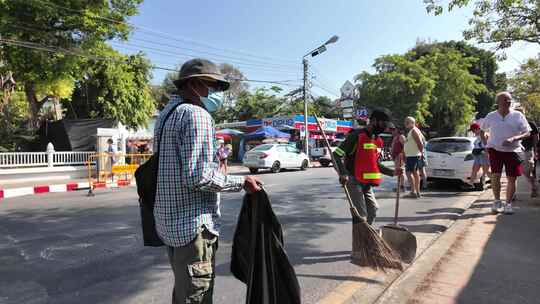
[{"x": 189, "y": 181}]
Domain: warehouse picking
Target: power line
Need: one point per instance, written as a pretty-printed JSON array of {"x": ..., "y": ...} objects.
[
  {"x": 167, "y": 52},
  {"x": 326, "y": 90},
  {"x": 57, "y": 50},
  {"x": 321, "y": 86},
  {"x": 320, "y": 76},
  {"x": 214, "y": 54},
  {"x": 162, "y": 34},
  {"x": 154, "y": 50}
]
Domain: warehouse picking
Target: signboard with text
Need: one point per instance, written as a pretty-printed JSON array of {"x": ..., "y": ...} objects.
[{"x": 362, "y": 114}]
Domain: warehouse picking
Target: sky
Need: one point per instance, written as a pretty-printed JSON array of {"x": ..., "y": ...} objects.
[{"x": 267, "y": 39}]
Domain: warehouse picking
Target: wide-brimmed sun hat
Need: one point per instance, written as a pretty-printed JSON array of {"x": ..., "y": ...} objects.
[{"x": 204, "y": 69}]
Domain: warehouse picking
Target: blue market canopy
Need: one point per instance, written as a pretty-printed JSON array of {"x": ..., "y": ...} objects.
[
  {"x": 266, "y": 132},
  {"x": 230, "y": 132}
]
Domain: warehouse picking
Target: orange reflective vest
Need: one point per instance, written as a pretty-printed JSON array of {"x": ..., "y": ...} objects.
[{"x": 366, "y": 167}]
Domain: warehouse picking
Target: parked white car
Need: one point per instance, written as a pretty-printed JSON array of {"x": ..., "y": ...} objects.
[
  {"x": 275, "y": 157},
  {"x": 451, "y": 158}
]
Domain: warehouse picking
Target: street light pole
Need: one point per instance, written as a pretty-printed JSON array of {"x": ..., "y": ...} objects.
[
  {"x": 306, "y": 94},
  {"x": 306, "y": 131}
]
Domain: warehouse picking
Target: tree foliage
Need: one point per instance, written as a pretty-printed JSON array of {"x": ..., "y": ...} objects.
[
  {"x": 525, "y": 84},
  {"x": 236, "y": 79},
  {"x": 116, "y": 89},
  {"x": 435, "y": 86},
  {"x": 15, "y": 136},
  {"x": 497, "y": 21},
  {"x": 399, "y": 84},
  {"x": 47, "y": 44},
  {"x": 452, "y": 104},
  {"x": 484, "y": 66}
]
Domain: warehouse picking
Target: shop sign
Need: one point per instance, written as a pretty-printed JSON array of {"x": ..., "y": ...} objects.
[
  {"x": 362, "y": 113},
  {"x": 278, "y": 122},
  {"x": 329, "y": 125}
]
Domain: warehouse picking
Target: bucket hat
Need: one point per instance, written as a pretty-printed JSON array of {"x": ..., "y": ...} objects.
[{"x": 201, "y": 68}]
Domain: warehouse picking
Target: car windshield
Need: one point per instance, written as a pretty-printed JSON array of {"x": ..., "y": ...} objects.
[
  {"x": 449, "y": 146},
  {"x": 263, "y": 148}
]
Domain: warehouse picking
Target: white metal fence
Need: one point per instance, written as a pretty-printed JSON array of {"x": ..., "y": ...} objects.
[{"x": 43, "y": 159}]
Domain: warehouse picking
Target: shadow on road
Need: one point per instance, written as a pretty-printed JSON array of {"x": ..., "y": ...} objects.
[{"x": 52, "y": 255}]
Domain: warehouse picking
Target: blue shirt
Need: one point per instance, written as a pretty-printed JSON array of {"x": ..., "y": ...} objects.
[{"x": 189, "y": 180}]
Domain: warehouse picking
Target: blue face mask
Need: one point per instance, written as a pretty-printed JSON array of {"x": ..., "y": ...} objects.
[{"x": 213, "y": 101}]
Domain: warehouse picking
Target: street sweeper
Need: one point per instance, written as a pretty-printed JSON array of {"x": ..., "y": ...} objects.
[{"x": 359, "y": 167}]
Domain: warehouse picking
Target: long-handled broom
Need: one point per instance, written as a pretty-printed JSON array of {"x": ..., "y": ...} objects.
[{"x": 368, "y": 248}]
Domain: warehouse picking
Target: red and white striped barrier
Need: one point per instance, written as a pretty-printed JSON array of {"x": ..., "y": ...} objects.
[{"x": 16, "y": 192}]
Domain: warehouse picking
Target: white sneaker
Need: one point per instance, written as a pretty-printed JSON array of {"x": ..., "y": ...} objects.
[
  {"x": 497, "y": 206},
  {"x": 508, "y": 209}
]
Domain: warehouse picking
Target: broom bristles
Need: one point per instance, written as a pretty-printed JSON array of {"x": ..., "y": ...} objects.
[{"x": 370, "y": 250}]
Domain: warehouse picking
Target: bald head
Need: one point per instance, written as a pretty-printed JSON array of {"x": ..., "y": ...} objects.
[
  {"x": 410, "y": 122},
  {"x": 504, "y": 101}
]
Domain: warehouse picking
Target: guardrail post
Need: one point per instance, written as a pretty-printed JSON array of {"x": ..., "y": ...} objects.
[{"x": 50, "y": 155}]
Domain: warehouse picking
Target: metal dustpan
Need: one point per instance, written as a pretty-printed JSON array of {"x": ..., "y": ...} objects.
[{"x": 399, "y": 238}]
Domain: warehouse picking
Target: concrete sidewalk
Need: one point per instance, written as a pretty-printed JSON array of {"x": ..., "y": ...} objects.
[{"x": 483, "y": 258}]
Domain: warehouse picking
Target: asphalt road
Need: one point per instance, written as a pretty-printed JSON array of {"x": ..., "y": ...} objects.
[{"x": 69, "y": 248}]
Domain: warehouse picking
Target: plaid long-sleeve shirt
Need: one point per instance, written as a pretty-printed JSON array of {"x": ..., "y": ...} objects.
[{"x": 189, "y": 182}]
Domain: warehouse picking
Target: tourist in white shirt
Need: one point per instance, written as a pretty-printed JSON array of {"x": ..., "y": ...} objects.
[{"x": 506, "y": 129}]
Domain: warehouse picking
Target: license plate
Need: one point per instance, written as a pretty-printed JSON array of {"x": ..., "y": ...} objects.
[{"x": 442, "y": 172}]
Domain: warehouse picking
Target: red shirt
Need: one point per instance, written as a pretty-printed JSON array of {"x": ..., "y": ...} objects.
[{"x": 397, "y": 147}]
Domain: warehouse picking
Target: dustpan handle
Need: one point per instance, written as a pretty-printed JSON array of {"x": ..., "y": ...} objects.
[{"x": 398, "y": 191}]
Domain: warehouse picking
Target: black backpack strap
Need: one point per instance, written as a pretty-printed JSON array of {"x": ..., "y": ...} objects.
[{"x": 163, "y": 125}]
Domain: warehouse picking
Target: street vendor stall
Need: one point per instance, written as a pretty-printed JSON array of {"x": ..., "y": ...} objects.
[{"x": 266, "y": 134}]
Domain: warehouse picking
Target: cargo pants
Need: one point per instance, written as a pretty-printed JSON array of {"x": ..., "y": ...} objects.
[
  {"x": 193, "y": 267},
  {"x": 363, "y": 199}
]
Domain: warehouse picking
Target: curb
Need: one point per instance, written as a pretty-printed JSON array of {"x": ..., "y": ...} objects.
[
  {"x": 39, "y": 189},
  {"x": 404, "y": 286},
  {"x": 364, "y": 292}
]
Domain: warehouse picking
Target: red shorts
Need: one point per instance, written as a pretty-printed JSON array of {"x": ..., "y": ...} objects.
[{"x": 510, "y": 161}]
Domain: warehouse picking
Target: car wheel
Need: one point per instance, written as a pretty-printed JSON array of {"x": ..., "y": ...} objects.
[
  {"x": 324, "y": 163},
  {"x": 253, "y": 170},
  {"x": 305, "y": 165},
  {"x": 481, "y": 185},
  {"x": 276, "y": 167}
]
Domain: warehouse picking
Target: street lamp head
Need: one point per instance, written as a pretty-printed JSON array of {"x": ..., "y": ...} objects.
[{"x": 333, "y": 39}]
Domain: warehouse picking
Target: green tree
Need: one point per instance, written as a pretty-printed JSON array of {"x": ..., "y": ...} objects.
[
  {"x": 484, "y": 66},
  {"x": 497, "y": 21},
  {"x": 261, "y": 103},
  {"x": 15, "y": 137},
  {"x": 325, "y": 107},
  {"x": 237, "y": 81},
  {"x": 452, "y": 103},
  {"x": 403, "y": 86},
  {"x": 525, "y": 85},
  {"x": 116, "y": 89},
  {"x": 45, "y": 43}
]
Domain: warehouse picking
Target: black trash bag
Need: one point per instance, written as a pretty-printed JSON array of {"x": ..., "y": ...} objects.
[{"x": 258, "y": 255}]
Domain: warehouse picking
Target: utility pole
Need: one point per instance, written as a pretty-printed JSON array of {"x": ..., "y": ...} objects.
[
  {"x": 313, "y": 53},
  {"x": 306, "y": 98}
]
